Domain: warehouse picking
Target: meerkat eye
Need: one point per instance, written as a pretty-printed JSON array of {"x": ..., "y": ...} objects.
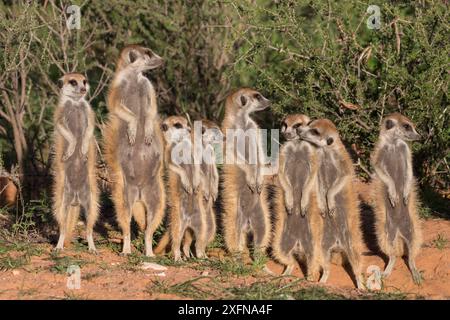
[
  {"x": 243, "y": 100},
  {"x": 257, "y": 96},
  {"x": 178, "y": 125},
  {"x": 203, "y": 129},
  {"x": 84, "y": 82},
  {"x": 389, "y": 124},
  {"x": 164, "y": 127},
  {"x": 132, "y": 56},
  {"x": 297, "y": 125},
  {"x": 314, "y": 132},
  {"x": 73, "y": 82},
  {"x": 407, "y": 127},
  {"x": 149, "y": 53}
]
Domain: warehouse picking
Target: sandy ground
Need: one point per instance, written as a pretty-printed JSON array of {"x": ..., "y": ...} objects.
[{"x": 110, "y": 276}]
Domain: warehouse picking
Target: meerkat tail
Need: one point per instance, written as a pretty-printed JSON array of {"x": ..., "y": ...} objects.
[
  {"x": 162, "y": 244},
  {"x": 71, "y": 222},
  {"x": 139, "y": 215}
]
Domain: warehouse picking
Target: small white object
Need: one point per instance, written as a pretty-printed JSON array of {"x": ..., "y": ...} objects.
[
  {"x": 15, "y": 272},
  {"x": 153, "y": 266},
  {"x": 374, "y": 279}
]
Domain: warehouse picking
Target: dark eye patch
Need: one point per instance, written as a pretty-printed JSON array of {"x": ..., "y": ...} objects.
[
  {"x": 257, "y": 96},
  {"x": 407, "y": 127},
  {"x": 295, "y": 126},
  {"x": 314, "y": 132},
  {"x": 178, "y": 125},
  {"x": 73, "y": 82},
  {"x": 389, "y": 124},
  {"x": 84, "y": 82}
]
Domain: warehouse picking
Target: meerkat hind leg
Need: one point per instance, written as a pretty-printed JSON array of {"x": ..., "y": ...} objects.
[
  {"x": 390, "y": 266},
  {"x": 417, "y": 277},
  {"x": 90, "y": 213}
]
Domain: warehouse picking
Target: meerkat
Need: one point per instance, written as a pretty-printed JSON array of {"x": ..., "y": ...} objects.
[
  {"x": 298, "y": 224},
  {"x": 187, "y": 215},
  {"x": 245, "y": 203},
  {"x": 336, "y": 198},
  {"x": 397, "y": 225},
  {"x": 209, "y": 180},
  {"x": 75, "y": 184},
  {"x": 133, "y": 145}
]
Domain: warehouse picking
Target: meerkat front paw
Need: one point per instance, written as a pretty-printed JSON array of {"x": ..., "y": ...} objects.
[
  {"x": 405, "y": 197},
  {"x": 69, "y": 152},
  {"x": 186, "y": 185},
  {"x": 132, "y": 129},
  {"x": 393, "y": 198},
  {"x": 148, "y": 139},
  {"x": 303, "y": 206},
  {"x": 331, "y": 211},
  {"x": 289, "y": 204}
]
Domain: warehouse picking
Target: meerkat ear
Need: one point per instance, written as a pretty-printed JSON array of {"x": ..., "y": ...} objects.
[
  {"x": 243, "y": 100},
  {"x": 60, "y": 83},
  {"x": 132, "y": 56},
  {"x": 330, "y": 140},
  {"x": 164, "y": 127},
  {"x": 389, "y": 124}
]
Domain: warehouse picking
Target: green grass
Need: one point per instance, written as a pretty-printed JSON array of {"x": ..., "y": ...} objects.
[
  {"x": 440, "y": 242},
  {"x": 268, "y": 289},
  {"x": 10, "y": 261},
  {"x": 61, "y": 263}
]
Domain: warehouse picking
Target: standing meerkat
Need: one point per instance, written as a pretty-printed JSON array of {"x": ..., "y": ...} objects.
[
  {"x": 187, "y": 216},
  {"x": 336, "y": 198},
  {"x": 75, "y": 182},
  {"x": 209, "y": 180},
  {"x": 397, "y": 224},
  {"x": 298, "y": 225},
  {"x": 133, "y": 145},
  {"x": 244, "y": 201}
]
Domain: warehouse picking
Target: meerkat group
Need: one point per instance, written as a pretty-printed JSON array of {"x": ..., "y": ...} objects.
[{"x": 314, "y": 208}]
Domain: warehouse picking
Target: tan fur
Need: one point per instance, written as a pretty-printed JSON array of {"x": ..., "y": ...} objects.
[
  {"x": 344, "y": 165},
  {"x": 290, "y": 125},
  {"x": 400, "y": 246},
  {"x": 280, "y": 215},
  {"x": 182, "y": 232},
  {"x": 110, "y": 147},
  {"x": 235, "y": 239},
  {"x": 68, "y": 220}
]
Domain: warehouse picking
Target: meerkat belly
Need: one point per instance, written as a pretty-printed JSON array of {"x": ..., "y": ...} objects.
[
  {"x": 140, "y": 162},
  {"x": 188, "y": 202},
  {"x": 336, "y": 227},
  {"x": 249, "y": 204},
  {"x": 398, "y": 220},
  {"x": 297, "y": 173},
  {"x": 336, "y": 231},
  {"x": 76, "y": 166},
  {"x": 297, "y": 232}
]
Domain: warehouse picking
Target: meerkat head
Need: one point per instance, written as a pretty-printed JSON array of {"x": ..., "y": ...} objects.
[
  {"x": 293, "y": 125},
  {"x": 322, "y": 133},
  {"x": 211, "y": 132},
  {"x": 246, "y": 100},
  {"x": 175, "y": 129},
  {"x": 397, "y": 126},
  {"x": 139, "y": 58},
  {"x": 73, "y": 86}
]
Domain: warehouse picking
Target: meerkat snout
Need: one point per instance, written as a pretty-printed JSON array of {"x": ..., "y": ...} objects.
[
  {"x": 251, "y": 101},
  {"x": 293, "y": 125},
  {"x": 398, "y": 126}
]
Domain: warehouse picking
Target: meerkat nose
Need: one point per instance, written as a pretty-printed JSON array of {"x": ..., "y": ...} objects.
[{"x": 83, "y": 90}]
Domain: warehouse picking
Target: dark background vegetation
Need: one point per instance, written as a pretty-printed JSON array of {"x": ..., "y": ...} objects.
[{"x": 313, "y": 57}]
